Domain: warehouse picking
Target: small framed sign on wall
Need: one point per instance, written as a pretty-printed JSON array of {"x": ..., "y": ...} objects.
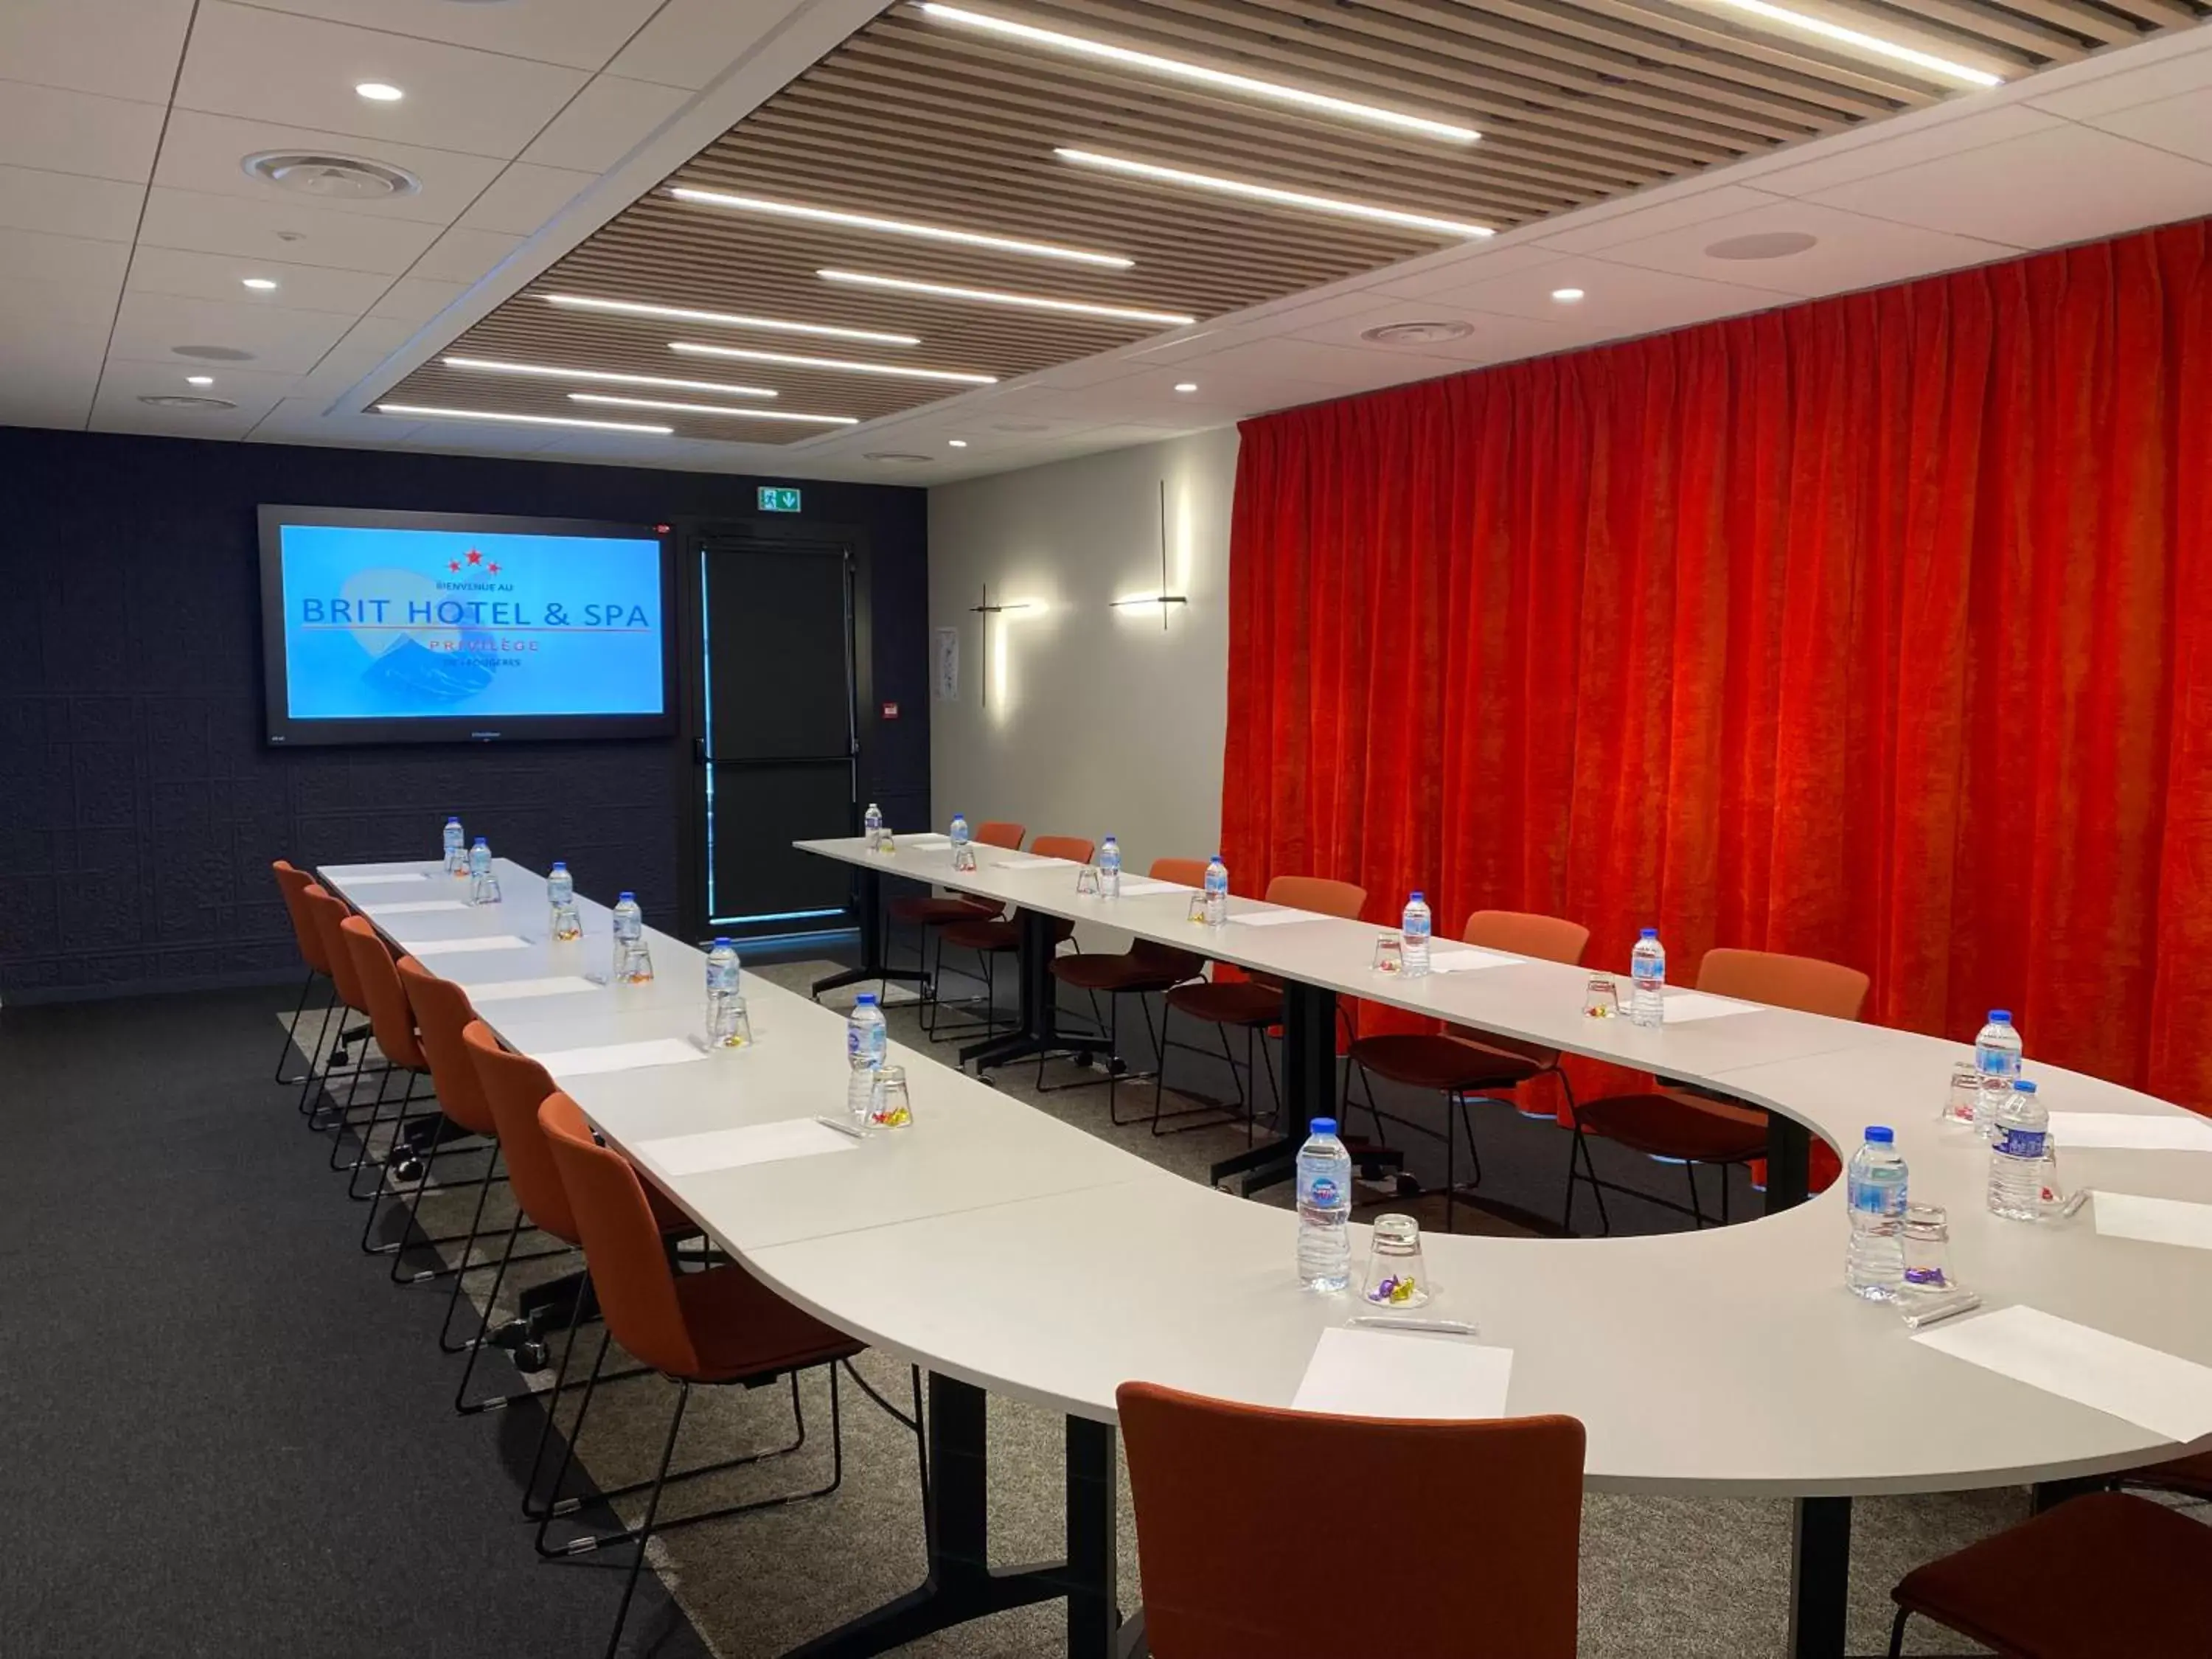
[{"x": 946, "y": 672}]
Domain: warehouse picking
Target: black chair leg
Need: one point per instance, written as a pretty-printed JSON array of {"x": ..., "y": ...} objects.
[
  {"x": 1160, "y": 1070},
  {"x": 1578, "y": 1151},
  {"x": 652, "y": 1511},
  {"x": 1897, "y": 1632},
  {"x": 1697, "y": 1211},
  {"x": 292, "y": 1027}
]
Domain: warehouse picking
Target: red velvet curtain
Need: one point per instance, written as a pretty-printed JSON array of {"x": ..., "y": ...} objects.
[{"x": 1877, "y": 630}]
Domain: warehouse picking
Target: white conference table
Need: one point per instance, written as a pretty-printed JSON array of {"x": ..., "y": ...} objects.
[{"x": 1004, "y": 1251}]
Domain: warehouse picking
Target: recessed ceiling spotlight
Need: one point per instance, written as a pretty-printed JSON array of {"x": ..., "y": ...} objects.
[
  {"x": 841, "y": 365},
  {"x": 955, "y": 443},
  {"x": 1320, "y": 103},
  {"x": 380, "y": 92},
  {"x": 213, "y": 354},
  {"x": 180, "y": 400},
  {"x": 610, "y": 400},
  {"x": 1022, "y": 301},
  {"x": 333, "y": 178},
  {"x": 1188, "y": 385},
  {"x": 606, "y": 376},
  {"x": 259, "y": 284},
  {"x": 199, "y": 379},
  {"x": 1292, "y": 199},
  {"x": 1421, "y": 333},
  {"x": 520, "y": 419},
  {"x": 728, "y": 319},
  {"x": 897, "y": 227},
  {"x": 896, "y": 457},
  {"x": 1566, "y": 296},
  {"x": 1765, "y": 245},
  {"x": 1874, "y": 44}
]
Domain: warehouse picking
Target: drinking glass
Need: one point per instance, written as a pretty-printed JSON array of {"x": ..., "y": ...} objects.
[
  {"x": 1601, "y": 997},
  {"x": 1964, "y": 1097},
  {"x": 1197, "y": 912},
  {"x": 893, "y": 1107},
  {"x": 888, "y": 845},
  {"x": 1927, "y": 1250},
  {"x": 1087, "y": 881},
  {"x": 633, "y": 964},
  {"x": 484, "y": 890},
  {"x": 1396, "y": 1277},
  {"x": 731, "y": 1025},
  {"x": 567, "y": 924},
  {"x": 861, "y": 1087},
  {"x": 1389, "y": 954},
  {"x": 963, "y": 860}
]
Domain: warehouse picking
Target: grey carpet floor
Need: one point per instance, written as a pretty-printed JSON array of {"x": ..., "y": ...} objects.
[{"x": 1658, "y": 1576}]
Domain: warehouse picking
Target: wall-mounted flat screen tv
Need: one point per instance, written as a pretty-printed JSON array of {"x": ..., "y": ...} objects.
[{"x": 439, "y": 628}]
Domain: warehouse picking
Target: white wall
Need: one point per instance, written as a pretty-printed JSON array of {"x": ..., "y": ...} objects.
[{"x": 1097, "y": 719}]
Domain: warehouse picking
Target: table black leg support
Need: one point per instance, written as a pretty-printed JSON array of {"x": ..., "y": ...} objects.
[
  {"x": 962, "y": 1585},
  {"x": 1789, "y": 1163},
  {"x": 1819, "y": 1577},
  {"x": 1037, "y": 1033},
  {"x": 1093, "y": 1619},
  {"x": 871, "y": 908},
  {"x": 1308, "y": 1087}
]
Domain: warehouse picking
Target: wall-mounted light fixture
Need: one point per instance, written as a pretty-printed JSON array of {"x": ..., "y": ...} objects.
[
  {"x": 1163, "y": 598},
  {"x": 987, "y": 610}
]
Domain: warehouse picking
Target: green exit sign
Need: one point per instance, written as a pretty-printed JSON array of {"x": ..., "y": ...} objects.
[{"x": 774, "y": 499}]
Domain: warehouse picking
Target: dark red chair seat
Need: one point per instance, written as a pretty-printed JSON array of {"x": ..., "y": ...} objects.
[
  {"x": 2095, "y": 1578},
  {"x": 924, "y": 911},
  {"x": 1664, "y": 1127},
  {"x": 994, "y": 935},
  {"x": 739, "y": 1328},
  {"x": 1232, "y": 1002},
  {"x": 2192, "y": 1475},
  {"x": 1119, "y": 973},
  {"x": 1427, "y": 1060}
]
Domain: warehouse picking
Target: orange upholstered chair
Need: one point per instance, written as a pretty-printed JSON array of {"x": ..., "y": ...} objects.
[
  {"x": 1674, "y": 1124},
  {"x": 292, "y": 885},
  {"x": 1255, "y": 1002},
  {"x": 720, "y": 1325},
  {"x": 328, "y": 912},
  {"x": 2094, "y": 1577},
  {"x": 993, "y": 935},
  {"x": 1479, "y": 1522},
  {"x": 1469, "y": 1065},
  {"x": 927, "y": 912},
  {"x": 392, "y": 1020},
  {"x": 1144, "y": 969}
]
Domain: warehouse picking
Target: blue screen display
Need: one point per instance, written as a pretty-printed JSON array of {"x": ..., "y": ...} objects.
[{"x": 384, "y": 623}]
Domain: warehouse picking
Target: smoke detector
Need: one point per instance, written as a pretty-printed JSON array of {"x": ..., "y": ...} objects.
[
  {"x": 1416, "y": 334},
  {"x": 330, "y": 178},
  {"x": 1765, "y": 245},
  {"x": 180, "y": 400}
]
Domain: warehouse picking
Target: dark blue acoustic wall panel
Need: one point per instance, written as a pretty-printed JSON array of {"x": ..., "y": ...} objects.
[{"x": 139, "y": 807}]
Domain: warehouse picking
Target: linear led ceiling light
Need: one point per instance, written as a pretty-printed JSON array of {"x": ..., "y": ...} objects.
[
  {"x": 842, "y": 365},
  {"x": 1295, "y": 198},
  {"x": 1020, "y": 301},
  {"x": 897, "y": 228},
  {"x": 520, "y": 419},
  {"x": 1320, "y": 103},
  {"x": 709, "y": 408},
  {"x": 605, "y": 377},
  {"x": 728, "y": 319},
  {"x": 1868, "y": 43}
]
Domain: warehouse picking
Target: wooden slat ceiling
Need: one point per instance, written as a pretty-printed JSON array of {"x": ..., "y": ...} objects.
[{"x": 916, "y": 118}]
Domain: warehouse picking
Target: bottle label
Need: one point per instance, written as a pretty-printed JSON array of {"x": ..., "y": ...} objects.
[
  {"x": 1876, "y": 1197},
  {"x": 1322, "y": 1192},
  {"x": 2022, "y": 1143}
]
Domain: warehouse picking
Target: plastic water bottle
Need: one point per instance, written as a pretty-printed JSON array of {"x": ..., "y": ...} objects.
[
  {"x": 722, "y": 998},
  {"x": 457, "y": 858},
  {"x": 867, "y": 1044},
  {"x": 2016, "y": 1154},
  {"x": 1875, "y": 1266},
  {"x": 1109, "y": 868},
  {"x": 1997, "y": 1057},
  {"x": 1647, "y": 968},
  {"x": 1217, "y": 891},
  {"x": 633, "y": 962},
  {"x": 964, "y": 855},
  {"x": 1324, "y": 1209},
  {"x": 1414, "y": 930},
  {"x": 480, "y": 890},
  {"x": 873, "y": 823},
  {"x": 560, "y": 895}
]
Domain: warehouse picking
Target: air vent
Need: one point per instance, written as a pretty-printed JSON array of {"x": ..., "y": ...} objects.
[
  {"x": 898, "y": 458},
  {"x": 330, "y": 178},
  {"x": 180, "y": 400},
  {"x": 1766, "y": 245},
  {"x": 1415, "y": 333},
  {"x": 213, "y": 354}
]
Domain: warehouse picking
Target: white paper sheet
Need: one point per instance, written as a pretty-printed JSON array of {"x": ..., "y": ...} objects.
[
  {"x": 1683, "y": 1006},
  {"x": 1272, "y": 918},
  {"x": 1023, "y": 861},
  {"x": 1139, "y": 886},
  {"x": 731, "y": 1149},
  {"x": 345, "y": 878},
  {"x": 2159, "y": 1391},
  {"x": 459, "y": 947},
  {"x": 514, "y": 990},
  {"x": 1467, "y": 959},
  {"x": 619, "y": 1057},
  {"x": 929, "y": 839},
  {"x": 412, "y": 907},
  {"x": 2153, "y": 1220},
  {"x": 2132, "y": 1132},
  {"x": 1406, "y": 1374}
]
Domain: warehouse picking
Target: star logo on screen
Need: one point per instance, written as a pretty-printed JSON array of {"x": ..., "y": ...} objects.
[
  {"x": 454, "y": 565},
  {"x": 493, "y": 567},
  {"x": 475, "y": 557}
]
